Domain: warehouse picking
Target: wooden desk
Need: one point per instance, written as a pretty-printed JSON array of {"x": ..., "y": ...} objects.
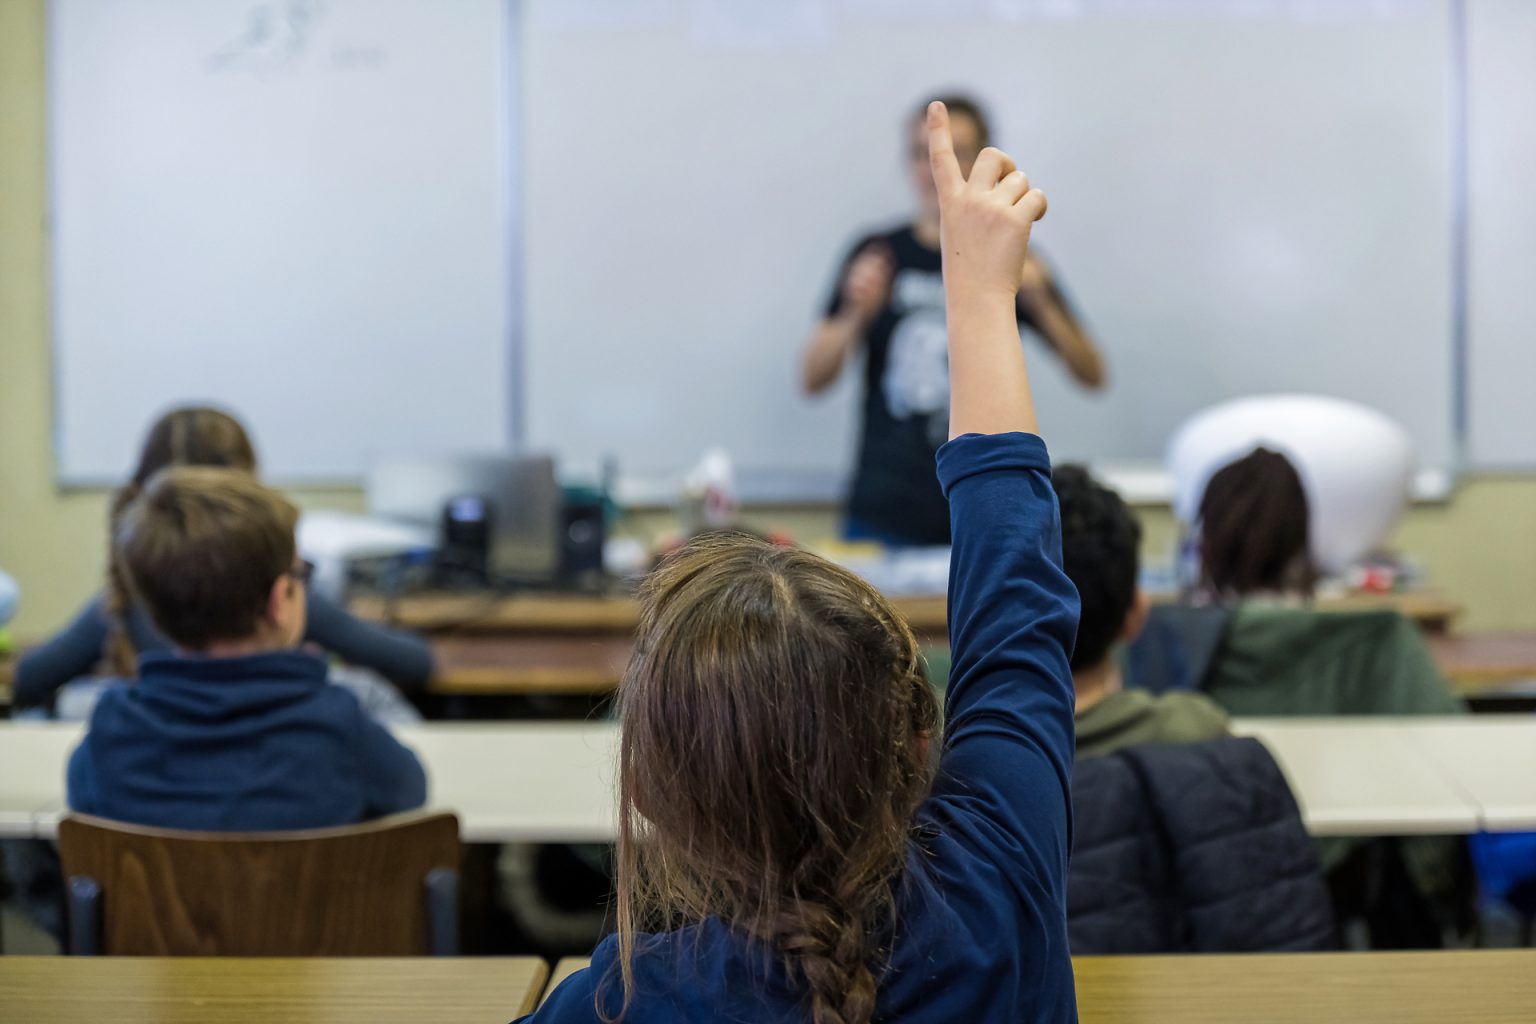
[
  {"x": 1485, "y": 987},
  {"x": 1362, "y": 777},
  {"x": 519, "y": 664},
  {"x": 570, "y": 613},
  {"x": 562, "y": 613},
  {"x": 1478, "y": 665},
  {"x": 198, "y": 990},
  {"x": 1474, "y": 660}
]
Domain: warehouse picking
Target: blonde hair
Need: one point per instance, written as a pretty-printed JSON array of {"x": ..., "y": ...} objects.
[
  {"x": 188, "y": 436},
  {"x": 200, "y": 548},
  {"x": 776, "y": 723}
]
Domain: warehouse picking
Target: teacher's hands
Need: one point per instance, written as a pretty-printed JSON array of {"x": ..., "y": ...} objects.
[{"x": 867, "y": 284}]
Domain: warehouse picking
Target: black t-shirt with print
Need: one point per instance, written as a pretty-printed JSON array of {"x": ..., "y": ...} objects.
[{"x": 905, "y": 414}]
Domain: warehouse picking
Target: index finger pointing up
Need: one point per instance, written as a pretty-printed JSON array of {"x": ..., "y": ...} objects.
[{"x": 941, "y": 150}]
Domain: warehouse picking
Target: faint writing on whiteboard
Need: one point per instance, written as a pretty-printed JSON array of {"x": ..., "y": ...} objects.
[
  {"x": 281, "y": 36},
  {"x": 275, "y": 38}
]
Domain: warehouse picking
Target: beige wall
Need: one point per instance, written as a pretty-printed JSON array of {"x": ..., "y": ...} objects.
[{"x": 1481, "y": 546}]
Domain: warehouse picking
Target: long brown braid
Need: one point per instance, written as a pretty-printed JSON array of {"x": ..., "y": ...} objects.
[
  {"x": 776, "y": 736},
  {"x": 189, "y": 436}
]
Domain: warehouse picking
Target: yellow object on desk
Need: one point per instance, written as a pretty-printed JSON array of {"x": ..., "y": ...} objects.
[{"x": 230, "y": 990}]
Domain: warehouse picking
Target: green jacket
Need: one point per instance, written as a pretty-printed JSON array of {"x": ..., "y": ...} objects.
[
  {"x": 1297, "y": 661},
  {"x": 1133, "y": 717}
]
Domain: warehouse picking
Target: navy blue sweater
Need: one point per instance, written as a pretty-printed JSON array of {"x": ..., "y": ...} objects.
[
  {"x": 239, "y": 744},
  {"x": 981, "y": 916}
]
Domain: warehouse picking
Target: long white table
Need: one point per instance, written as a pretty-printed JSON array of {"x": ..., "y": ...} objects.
[
  {"x": 508, "y": 782},
  {"x": 1494, "y": 762},
  {"x": 1365, "y": 777},
  {"x": 554, "y": 782}
]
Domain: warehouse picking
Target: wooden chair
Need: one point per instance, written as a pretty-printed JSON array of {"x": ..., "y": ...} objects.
[{"x": 382, "y": 888}]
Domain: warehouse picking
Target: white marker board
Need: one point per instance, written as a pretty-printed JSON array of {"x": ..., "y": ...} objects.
[
  {"x": 297, "y": 209},
  {"x": 1245, "y": 197}
]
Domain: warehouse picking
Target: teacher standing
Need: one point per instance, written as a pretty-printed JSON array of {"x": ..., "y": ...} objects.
[{"x": 889, "y": 301}]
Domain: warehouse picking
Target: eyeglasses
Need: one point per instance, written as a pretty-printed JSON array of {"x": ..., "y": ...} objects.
[{"x": 303, "y": 572}]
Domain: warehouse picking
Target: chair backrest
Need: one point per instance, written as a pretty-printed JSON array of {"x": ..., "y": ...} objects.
[{"x": 382, "y": 888}]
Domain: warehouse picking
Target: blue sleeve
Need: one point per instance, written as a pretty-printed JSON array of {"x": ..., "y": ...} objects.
[
  {"x": 80, "y": 780},
  {"x": 574, "y": 999},
  {"x": 393, "y": 776},
  {"x": 1008, "y": 743},
  {"x": 403, "y": 659},
  {"x": 70, "y": 654}
]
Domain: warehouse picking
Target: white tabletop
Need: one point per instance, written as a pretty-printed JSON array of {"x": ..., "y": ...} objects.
[
  {"x": 507, "y": 781},
  {"x": 554, "y": 782},
  {"x": 1362, "y": 777},
  {"x": 1494, "y": 762}
]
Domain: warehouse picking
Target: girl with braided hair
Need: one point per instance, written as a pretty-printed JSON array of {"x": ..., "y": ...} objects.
[{"x": 798, "y": 841}]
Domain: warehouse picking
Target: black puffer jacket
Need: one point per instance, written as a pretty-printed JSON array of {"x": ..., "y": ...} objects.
[{"x": 1196, "y": 848}]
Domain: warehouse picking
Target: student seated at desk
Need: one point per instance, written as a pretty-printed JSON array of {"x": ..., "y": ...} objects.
[
  {"x": 236, "y": 729},
  {"x": 1279, "y": 656},
  {"x": 797, "y": 842},
  {"x": 114, "y": 627},
  {"x": 1100, "y": 550}
]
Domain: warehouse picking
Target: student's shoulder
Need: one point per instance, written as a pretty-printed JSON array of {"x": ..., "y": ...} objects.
[{"x": 1186, "y": 717}]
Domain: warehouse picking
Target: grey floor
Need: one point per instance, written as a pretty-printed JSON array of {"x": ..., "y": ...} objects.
[{"x": 19, "y": 937}]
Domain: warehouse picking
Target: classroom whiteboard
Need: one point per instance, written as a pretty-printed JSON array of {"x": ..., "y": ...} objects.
[
  {"x": 297, "y": 209},
  {"x": 1501, "y": 366},
  {"x": 1246, "y": 197}
]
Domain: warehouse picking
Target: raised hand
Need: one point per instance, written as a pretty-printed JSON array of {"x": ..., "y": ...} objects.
[
  {"x": 984, "y": 221},
  {"x": 984, "y": 226}
]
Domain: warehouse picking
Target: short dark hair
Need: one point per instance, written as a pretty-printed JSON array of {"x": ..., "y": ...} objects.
[
  {"x": 200, "y": 548},
  {"x": 1100, "y": 549},
  {"x": 1254, "y": 526},
  {"x": 965, "y": 106}
]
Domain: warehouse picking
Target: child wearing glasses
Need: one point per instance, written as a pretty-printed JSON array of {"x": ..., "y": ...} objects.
[{"x": 235, "y": 728}]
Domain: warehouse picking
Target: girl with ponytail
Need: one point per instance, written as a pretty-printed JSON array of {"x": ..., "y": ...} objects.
[
  {"x": 191, "y": 436},
  {"x": 798, "y": 842},
  {"x": 110, "y": 631}
]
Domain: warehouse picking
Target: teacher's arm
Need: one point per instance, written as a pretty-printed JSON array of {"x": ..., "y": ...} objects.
[
  {"x": 1042, "y": 302},
  {"x": 863, "y": 292}
]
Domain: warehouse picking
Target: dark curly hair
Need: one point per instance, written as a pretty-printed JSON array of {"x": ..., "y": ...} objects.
[{"x": 1100, "y": 545}]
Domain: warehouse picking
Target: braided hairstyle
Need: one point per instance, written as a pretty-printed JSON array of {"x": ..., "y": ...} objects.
[
  {"x": 777, "y": 736},
  {"x": 1254, "y": 527},
  {"x": 189, "y": 436}
]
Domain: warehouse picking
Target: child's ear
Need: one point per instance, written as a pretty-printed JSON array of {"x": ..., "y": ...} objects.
[
  {"x": 1136, "y": 618},
  {"x": 278, "y": 599}
]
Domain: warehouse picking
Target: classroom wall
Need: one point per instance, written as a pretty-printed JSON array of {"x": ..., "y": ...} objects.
[{"x": 1480, "y": 546}]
